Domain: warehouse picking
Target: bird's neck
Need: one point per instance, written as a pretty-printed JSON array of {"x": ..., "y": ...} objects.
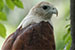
[{"x": 29, "y": 19}]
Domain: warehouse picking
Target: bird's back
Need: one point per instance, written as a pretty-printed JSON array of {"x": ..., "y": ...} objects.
[{"x": 38, "y": 36}]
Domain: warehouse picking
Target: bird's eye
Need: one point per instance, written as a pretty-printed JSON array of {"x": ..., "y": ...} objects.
[
  {"x": 45, "y": 7},
  {"x": 53, "y": 8}
]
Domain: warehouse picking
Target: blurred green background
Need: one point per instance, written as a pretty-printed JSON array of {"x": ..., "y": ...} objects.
[{"x": 13, "y": 11}]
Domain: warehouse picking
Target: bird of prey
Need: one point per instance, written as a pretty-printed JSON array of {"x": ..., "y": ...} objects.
[{"x": 35, "y": 31}]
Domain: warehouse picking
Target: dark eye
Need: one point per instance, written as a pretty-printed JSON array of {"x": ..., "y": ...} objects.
[{"x": 45, "y": 7}]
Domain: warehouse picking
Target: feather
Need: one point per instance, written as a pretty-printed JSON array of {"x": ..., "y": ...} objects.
[{"x": 38, "y": 36}]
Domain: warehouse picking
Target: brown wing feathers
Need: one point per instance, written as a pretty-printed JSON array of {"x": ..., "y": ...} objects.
[{"x": 37, "y": 36}]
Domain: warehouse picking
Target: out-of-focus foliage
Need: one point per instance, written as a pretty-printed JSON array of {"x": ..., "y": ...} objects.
[
  {"x": 18, "y": 3},
  {"x": 1, "y": 5},
  {"x": 3, "y": 16},
  {"x": 67, "y": 37},
  {"x": 2, "y": 30},
  {"x": 12, "y": 3}
]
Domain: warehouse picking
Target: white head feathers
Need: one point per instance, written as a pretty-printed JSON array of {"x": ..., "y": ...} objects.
[{"x": 43, "y": 11}]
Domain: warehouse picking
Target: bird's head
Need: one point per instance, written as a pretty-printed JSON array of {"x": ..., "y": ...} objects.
[{"x": 44, "y": 10}]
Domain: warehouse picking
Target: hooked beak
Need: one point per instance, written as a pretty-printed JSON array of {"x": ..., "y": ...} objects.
[{"x": 55, "y": 11}]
